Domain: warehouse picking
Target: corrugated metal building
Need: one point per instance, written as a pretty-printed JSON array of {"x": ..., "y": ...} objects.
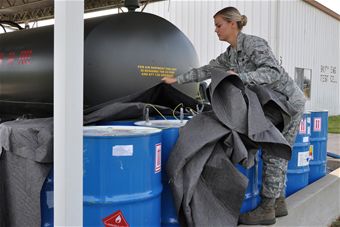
[{"x": 303, "y": 35}]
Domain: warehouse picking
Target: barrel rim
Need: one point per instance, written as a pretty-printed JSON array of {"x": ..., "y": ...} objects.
[
  {"x": 316, "y": 111},
  {"x": 140, "y": 123},
  {"x": 137, "y": 131}
]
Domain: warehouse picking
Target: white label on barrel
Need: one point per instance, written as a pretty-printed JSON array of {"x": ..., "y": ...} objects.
[
  {"x": 305, "y": 139},
  {"x": 122, "y": 150},
  {"x": 158, "y": 158},
  {"x": 317, "y": 124},
  {"x": 303, "y": 126},
  {"x": 303, "y": 158}
]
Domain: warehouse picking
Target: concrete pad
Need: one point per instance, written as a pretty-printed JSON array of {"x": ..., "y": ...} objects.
[
  {"x": 332, "y": 164},
  {"x": 333, "y": 143},
  {"x": 318, "y": 204}
]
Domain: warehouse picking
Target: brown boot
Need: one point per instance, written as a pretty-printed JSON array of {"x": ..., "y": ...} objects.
[
  {"x": 280, "y": 207},
  {"x": 262, "y": 215}
]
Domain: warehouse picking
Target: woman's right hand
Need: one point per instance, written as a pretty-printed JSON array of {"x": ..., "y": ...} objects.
[{"x": 169, "y": 80}]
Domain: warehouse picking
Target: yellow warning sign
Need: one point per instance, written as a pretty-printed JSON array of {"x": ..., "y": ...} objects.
[{"x": 149, "y": 70}]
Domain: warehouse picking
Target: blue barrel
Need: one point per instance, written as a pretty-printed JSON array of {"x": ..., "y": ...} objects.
[
  {"x": 122, "y": 176},
  {"x": 318, "y": 142},
  {"x": 46, "y": 201},
  {"x": 298, "y": 166},
  {"x": 170, "y": 133},
  {"x": 252, "y": 196}
]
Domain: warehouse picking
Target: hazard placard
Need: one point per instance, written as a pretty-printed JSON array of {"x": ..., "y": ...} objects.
[
  {"x": 317, "y": 124},
  {"x": 303, "y": 126},
  {"x": 115, "y": 220},
  {"x": 158, "y": 158}
]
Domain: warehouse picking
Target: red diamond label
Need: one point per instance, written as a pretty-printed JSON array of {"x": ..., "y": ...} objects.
[{"x": 115, "y": 220}]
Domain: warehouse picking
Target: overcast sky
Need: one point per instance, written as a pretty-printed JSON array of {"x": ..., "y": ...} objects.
[{"x": 332, "y": 4}]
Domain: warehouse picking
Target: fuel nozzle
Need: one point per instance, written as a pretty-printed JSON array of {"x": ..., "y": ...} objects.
[{"x": 181, "y": 114}]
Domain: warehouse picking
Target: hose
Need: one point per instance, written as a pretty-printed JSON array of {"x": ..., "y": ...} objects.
[
  {"x": 333, "y": 155},
  {"x": 3, "y": 27},
  {"x": 11, "y": 23}
]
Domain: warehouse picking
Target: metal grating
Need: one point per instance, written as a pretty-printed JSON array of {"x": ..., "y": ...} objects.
[{"x": 21, "y": 11}]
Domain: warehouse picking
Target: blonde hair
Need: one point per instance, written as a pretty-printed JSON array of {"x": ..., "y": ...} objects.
[{"x": 232, "y": 14}]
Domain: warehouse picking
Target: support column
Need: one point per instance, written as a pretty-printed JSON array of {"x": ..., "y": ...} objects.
[{"x": 68, "y": 112}]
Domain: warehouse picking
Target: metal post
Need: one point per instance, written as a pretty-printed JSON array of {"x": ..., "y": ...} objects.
[{"x": 68, "y": 112}]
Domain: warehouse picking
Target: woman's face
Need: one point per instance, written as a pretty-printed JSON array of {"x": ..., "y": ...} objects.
[{"x": 224, "y": 29}]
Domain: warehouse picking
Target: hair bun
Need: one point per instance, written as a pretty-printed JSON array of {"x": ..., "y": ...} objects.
[{"x": 244, "y": 20}]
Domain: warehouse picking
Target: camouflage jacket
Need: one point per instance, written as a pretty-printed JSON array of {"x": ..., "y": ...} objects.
[{"x": 255, "y": 63}]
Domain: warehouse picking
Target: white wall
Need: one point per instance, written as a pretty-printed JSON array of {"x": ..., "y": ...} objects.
[
  {"x": 309, "y": 38},
  {"x": 299, "y": 34}
]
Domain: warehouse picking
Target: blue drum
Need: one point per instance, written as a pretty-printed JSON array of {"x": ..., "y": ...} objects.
[
  {"x": 298, "y": 166},
  {"x": 318, "y": 148},
  {"x": 252, "y": 196},
  {"x": 170, "y": 133},
  {"x": 122, "y": 176},
  {"x": 46, "y": 201}
]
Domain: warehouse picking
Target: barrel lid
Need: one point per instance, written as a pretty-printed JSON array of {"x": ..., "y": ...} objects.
[
  {"x": 162, "y": 124},
  {"x": 118, "y": 131},
  {"x": 315, "y": 111}
]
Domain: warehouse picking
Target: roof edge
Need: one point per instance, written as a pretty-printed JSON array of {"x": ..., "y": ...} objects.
[{"x": 323, "y": 8}]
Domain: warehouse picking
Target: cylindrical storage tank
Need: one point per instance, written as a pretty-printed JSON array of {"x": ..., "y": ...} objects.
[
  {"x": 252, "y": 196},
  {"x": 124, "y": 53},
  {"x": 318, "y": 145},
  {"x": 170, "y": 133},
  {"x": 298, "y": 166},
  {"x": 122, "y": 176},
  {"x": 47, "y": 202}
]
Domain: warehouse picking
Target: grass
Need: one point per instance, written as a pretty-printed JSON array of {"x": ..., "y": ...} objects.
[{"x": 334, "y": 124}]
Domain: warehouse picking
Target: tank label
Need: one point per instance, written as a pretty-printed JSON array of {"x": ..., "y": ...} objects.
[
  {"x": 311, "y": 149},
  {"x": 151, "y": 70},
  {"x": 158, "y": 158},
  {"x": 303, "y": 126},
  {"x": 116, "y": 219},
  {"x": 122, "y": 150},
  {"x": 317, "y": 124},
  {"x": 23, "y": 57},
  {"x": 303, "y": 158}
]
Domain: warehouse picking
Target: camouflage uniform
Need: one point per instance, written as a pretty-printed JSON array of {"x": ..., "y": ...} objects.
[{"x": 255, "y": 63}]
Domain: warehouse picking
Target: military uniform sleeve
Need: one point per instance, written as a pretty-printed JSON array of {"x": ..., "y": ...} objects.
[
  {"x": 267, "y": 70},
  {"x": 203, "y": 73}
]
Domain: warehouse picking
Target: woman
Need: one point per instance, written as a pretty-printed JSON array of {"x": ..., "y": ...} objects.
[{"x": 251, "y": 58}]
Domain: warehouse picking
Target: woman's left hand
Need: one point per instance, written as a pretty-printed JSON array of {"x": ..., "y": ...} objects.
[{"x": 231, "y": 72}]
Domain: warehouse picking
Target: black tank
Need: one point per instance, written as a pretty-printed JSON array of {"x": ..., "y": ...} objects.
[{"x": 123, "y": 54}]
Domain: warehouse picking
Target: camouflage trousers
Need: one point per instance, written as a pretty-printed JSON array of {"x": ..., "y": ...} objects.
[{"x": 274, "y": 172}]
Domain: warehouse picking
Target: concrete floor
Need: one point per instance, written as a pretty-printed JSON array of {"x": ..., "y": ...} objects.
[
  {"x": 333, "y": 143},
  {"x": 333, "y": 146}
]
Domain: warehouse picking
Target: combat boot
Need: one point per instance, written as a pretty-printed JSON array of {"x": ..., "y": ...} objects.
[
  {"x": 264, "y": 214},
  {"x": 281, "y": 207}
]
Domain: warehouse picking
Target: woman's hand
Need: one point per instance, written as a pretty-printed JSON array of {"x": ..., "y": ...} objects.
[
  {"x": 169, "y": 80},
  {"x": 231, "y": 72}
]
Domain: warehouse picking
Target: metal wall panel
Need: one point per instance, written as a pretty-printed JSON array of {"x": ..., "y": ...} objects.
[
  {"x": 300, "y": 35},
  {"x": 309, "y": 39},
  {"x": 195, "y": 19}
]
